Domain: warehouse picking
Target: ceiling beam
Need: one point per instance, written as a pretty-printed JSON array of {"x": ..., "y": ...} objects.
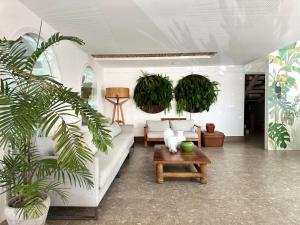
[{"x": 154, "y": 55}]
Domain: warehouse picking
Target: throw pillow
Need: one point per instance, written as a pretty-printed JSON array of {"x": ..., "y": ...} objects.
[
  {"x": 182, "y": 125},
  {"x": 115, "y": 129},
  {"x": 157, "y": 125}
]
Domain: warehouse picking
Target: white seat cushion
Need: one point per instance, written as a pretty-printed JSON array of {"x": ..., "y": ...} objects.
[
  {"x": 190, "y": 134},
  {"x": 108, "y": 161},
  {"x": 155, "y": 134},
  {"x": 157, "y": 125},
  {"x": 182, "y": 125}
]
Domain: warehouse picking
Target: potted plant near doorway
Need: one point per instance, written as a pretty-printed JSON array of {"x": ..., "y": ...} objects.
[{"x": 30, "y": 106}]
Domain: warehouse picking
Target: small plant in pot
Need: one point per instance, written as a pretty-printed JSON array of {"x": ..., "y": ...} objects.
[
  {"x": 86, "y": 90},
  {"x": 153, "y": 93},
  {"x": 30, "y": 106},
  {"x": 195, "y": 93}
]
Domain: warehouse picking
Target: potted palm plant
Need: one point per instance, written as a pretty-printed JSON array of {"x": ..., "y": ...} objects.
[{"x": 30, "y": 106}]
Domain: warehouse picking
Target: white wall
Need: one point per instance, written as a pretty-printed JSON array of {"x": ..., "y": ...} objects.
[
  {"x": 16, "y": 20},
  {"x": 227, "y": 113},
  {"x": 257, "y": 66}
]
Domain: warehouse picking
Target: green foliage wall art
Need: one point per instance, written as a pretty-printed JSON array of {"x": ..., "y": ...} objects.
[
  {"x": 284, "y": 98},
  {"x": 153, "y": 93},
  {"x": 195, "y": 93}
]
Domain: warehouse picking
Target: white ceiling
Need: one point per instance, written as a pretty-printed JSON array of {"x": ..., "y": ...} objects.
[{"x": 239, "y": 30}]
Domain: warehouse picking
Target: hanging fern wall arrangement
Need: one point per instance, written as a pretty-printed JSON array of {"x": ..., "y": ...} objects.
[
  {"x": 195, "y": 93},
  {"x": 153, "y": 93}
]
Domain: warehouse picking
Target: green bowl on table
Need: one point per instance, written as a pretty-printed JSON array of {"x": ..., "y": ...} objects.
[{"x": 187, "y": 146}]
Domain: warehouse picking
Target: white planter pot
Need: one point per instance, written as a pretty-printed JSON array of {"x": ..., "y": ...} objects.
[
  {"x": 15, "y": 219},
  {"x": 180, "y": 137}
]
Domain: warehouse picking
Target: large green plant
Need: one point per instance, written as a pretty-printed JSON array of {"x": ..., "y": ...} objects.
[
  {"x": 195, "y": 93},
  {"x": 33, "y": 105},
  {"x": 153, "y": 93}
]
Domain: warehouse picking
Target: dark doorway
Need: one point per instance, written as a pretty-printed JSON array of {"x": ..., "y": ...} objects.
[{"x": 254, "y": 104}]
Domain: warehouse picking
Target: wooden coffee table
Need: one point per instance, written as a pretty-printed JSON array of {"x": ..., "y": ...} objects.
[{"x": 197, "y": 158}]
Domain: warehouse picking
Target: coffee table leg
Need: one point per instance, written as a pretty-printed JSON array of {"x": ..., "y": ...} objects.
[
  {"x": 159, "y": 173},
  {"x": 203, "y": 171}
]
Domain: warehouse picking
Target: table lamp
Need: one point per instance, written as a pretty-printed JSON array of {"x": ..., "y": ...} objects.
[{"x": 113, "y": 95}]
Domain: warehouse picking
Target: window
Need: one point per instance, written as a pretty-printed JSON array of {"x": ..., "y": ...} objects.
[
  {"x": 89, "y": 87},
  {"x": 46, "y": 63}
]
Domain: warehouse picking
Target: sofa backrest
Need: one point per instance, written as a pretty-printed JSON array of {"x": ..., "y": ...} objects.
[
  {"x": 175, "y": 118},
  {"x": 157, "y": 125},
  {"x": 182, "y": 125}
]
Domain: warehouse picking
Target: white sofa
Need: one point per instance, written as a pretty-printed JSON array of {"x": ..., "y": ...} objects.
[
  {"x": 104, "y": 169},
  {"x": 154, "y": 129}
]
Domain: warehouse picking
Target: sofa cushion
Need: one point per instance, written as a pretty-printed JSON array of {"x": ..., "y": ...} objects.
[
  {"x": 45, "y": 146},
  {"x": 190, "y": 134},
  {"x": 157, "y": 125},
  {"x": 182, "y": 125},
  {"x": 155, "y": 134},
  {"x": 114, "y": 129},
  {"x": 108, "y": 161}
]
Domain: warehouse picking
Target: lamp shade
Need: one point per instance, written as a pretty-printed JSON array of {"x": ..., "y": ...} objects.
[{"x": 117, "y": 92}]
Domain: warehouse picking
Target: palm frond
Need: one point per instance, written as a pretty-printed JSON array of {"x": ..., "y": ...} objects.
[
  {"x": 55, "y": 38},
  {"x": 33, "y": 195},
  {"x": 12, "y": 55},
  {"x": 50, "y": 167},
  {"x": 96, "y": 122}
]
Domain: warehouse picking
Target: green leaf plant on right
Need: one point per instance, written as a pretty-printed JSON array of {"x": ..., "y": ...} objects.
[
  {"x": 279, "y": 134},
  {"x": 195, "y": 93},
  {"x": 283, "y": 110},
  {"x": 30, "y": 106}
]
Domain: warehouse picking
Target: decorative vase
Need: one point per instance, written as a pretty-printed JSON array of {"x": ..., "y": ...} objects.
[
  {"x": 180, "y": 137},
  {"x": 13, "y": 217},
  {"x": 187, "y": 146},
  {"x": 172, "y": 144},
  {"x": 210, "y": 127},
  {"x": 167, "y": 133}
]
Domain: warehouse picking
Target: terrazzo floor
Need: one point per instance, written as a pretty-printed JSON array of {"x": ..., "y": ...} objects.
[{"x": 247, "y": 185}]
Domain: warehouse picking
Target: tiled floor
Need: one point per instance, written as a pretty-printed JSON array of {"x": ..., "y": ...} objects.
[{"x": 247, "y": 185}]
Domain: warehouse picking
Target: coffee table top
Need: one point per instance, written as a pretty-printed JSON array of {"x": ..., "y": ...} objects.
[{"x": 162, "y": 155}]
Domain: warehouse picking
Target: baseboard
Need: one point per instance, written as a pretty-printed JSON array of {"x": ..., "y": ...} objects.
[
  {"x": 234, "y": 138},
  {"x": 72, "y": 213},
  {"x": 139, "y": 139}
]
